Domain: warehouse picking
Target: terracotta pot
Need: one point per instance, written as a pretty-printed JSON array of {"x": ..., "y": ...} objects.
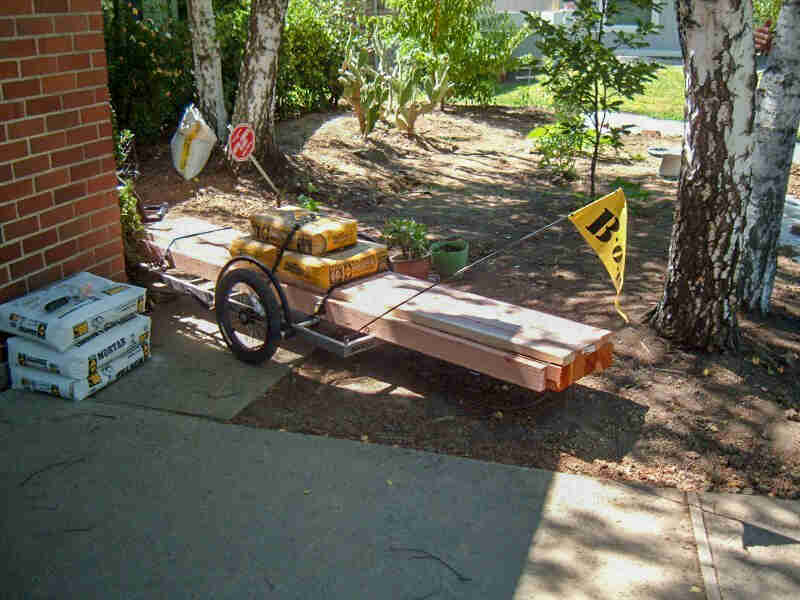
[{"x": 415, "y": 267}]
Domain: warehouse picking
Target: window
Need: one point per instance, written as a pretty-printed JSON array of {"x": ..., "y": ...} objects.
[{"x": 629, "y": 14}]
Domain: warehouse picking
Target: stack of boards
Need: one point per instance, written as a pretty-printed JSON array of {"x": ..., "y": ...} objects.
[
  {"x": 76, "y": 336},
  {"x": 324, "y": 250}
]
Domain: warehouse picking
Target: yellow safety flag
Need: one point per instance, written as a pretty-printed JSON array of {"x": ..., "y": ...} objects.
[{"x": 604, "y": 226}]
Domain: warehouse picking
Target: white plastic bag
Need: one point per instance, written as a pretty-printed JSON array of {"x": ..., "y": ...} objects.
[{"x": 192, "y": 143}]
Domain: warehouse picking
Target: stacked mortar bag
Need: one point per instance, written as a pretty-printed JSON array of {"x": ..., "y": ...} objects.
[
  {"x": 76, "y": 336},
  {"x": 324, "y": 251}
]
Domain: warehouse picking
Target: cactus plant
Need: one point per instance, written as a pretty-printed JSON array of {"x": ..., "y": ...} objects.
[
  {"x": 411, "y": 95},
  {"x": 365, "y": 86}
]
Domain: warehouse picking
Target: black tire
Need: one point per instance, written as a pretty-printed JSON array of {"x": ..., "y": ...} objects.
[{"x": 248, "y": 315}]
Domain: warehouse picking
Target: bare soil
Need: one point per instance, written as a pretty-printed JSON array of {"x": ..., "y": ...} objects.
[{"x": 660, "y": 415}]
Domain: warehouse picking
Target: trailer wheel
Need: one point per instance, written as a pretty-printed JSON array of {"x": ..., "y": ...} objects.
[{"x": 248, "y": 315}]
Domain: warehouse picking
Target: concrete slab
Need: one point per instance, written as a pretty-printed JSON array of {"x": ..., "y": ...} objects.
[
  {"x": 192, "y": 371},
  {"x": 102, "y": 500},
  {"x": 755, "y": 542}
]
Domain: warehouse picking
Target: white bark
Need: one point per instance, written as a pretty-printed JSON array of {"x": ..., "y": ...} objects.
[
  {"x": 208, "y": 66},
  {"x": 255, "y": 101},
  {"x": 777, "y": 121},
  {"x": 700, "y": 301}
]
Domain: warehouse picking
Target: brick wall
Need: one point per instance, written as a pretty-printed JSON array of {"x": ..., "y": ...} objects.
[{"x": 58, "y": 201}]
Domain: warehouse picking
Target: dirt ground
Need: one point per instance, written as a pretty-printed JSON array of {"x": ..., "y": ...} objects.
[{"x": 660, "y": 415}]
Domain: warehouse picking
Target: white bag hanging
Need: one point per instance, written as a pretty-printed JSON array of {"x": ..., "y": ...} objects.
[{"x": 192, "y": 143}]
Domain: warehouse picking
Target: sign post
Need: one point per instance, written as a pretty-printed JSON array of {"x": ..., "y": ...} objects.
[{"x": 241, "y": 144}]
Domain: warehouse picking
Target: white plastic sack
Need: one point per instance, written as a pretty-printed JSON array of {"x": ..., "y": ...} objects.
[
  {"x": 192, "y": 143},
  {"x": 71, "y": 310},
  {"x": 86, "y": 357},
  {"x": 34, "y": 380}
]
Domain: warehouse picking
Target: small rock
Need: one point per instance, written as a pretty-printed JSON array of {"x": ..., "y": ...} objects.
[
  {"x": 792, "y": 414},
  {"x": 693, "y": 455}
]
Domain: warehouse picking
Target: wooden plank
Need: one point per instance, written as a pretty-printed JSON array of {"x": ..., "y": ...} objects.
[
  {"x": 498, "y": 324},
  {"x": 506, "y": 366}
]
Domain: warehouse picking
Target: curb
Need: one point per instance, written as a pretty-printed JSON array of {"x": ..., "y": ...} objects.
[{"x": 704, "y": 554}]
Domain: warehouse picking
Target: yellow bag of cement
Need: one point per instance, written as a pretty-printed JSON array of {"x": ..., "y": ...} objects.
[
  {"x": 192, "y": 143},
  {"x": 71, "y": 310},
  {"x": 34, "y": 380},
  {"x": 317, "y": 235},
  {"x": 317, "y": 272},
  {"x": 88, "y": 355}
]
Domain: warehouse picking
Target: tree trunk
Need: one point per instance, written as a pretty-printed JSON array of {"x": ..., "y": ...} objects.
[
  {"x": 255, "y": 101},
  {"x": 777, "y": 120},
  {"x": 700, "y": 301},
  {"x": 208, "y": 66}
]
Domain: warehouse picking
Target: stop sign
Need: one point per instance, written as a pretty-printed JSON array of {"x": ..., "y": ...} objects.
[{"x": 242, "y": 142}]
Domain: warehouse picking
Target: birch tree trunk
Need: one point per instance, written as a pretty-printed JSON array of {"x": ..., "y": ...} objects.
[
  {"x": 255, "y": 100},
  {"x": 700, "y": 301},
  {"x": 777, "y": 120},
  {"x": 208, "y": 66}
]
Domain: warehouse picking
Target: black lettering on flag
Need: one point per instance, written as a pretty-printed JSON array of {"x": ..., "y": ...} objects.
[{"x": 608, "y": 220}]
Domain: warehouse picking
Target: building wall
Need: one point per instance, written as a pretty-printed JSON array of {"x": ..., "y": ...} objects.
[{"x": 59, "y": 211}]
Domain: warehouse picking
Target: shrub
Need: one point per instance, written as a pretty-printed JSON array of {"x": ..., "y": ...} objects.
[{"x": 408, "y": 235}]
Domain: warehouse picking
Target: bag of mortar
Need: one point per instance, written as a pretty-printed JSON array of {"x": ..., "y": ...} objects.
[
  {"x": 34, "y": 380},
  {"x": 317, "y": 235},
  {"x": 192, "y": 143},
  {"x": 87, "y": 356},
  {"x": 71, "y": 310}
]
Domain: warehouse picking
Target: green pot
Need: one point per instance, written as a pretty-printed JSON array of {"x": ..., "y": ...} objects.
[{"x": 449, "y": 256}]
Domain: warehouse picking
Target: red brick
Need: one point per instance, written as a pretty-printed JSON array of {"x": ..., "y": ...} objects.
[
  {"x": 95, "y": 113},
  {"x": 67, "y": 157},
  {"x": 2, "y": 132},
  {"x": 84, "y": 171},
  {"x": 12, "y": 110},
  {"x": 17, "y": 7},
  {"x": 92, "y": 78},
  {"x": 89, "y": 41},
  {"x": 39, "y": 66},
  {"x": 73, "y": 228},
  {"x": 14, "y": 290},
  {"x": 86, "y": 6},
  {"x": 17, "y": 229},
  {"x": 9, "y": 69},
  {"x": 63, "y": 120},
  {"x": 26, "y": 128},
  {"x": 28, "y": 206},
  {"x": 102, "y": 183},
  {"x": 21, "y": 89},
  {"x": 8, "y": 212},
  {"x": 71, "y": 23},
  {"x": 52, "y": 179},
  {"x": 5, "y": 174},
  {"x": 51, "y": 6},
  {"x": 109, "y": 164},
  {"x": 99, "y": 148},
  {"x": 101, "y": 95},
  {"x": 58, "y": 215},
  {"x": 40, "y": 106},
  {"x": 10, "y": 252},
  {"x": 92, "y": 203},
  {"x": 43, "y": 278},
  {"x": 77, "y": 99},
  {"x": 61, "y": 252},
  {"x": 4, "y": 279},
  {"x": 115, "y": 229},
  {"x": 117, "y": 268},
  {"x": 58, "y": 83},
  {"x": 92, "y": 239},
  {"x": 95, "y": 22},
  {"x": 7, "y": 28},
  {"x": 35, "y": 26},
  {"x": 26, "y": 266},
  {"x": 82, "y": 135},
  {"x": 13, "y": 151},
  {"x": 55, "y": 45},
  {"x": 31, "y": 166},
  {"x": 49, "y": 142},
  {"x": 99, "y": 59},
  {"x": 40, "y": 241},
  {"x": 113, "y": 248},
  {"x": 18, "y": 48},
  {"x": 16, "y": 190},
  {"x": 71, "y": 192},
  {"x": 79, "y": 263},
  {"x": 73, "y": 62},
  {"x": 105, "y": 217}
]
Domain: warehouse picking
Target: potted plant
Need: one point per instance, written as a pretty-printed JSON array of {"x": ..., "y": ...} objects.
[
  {"x": 448, "y": 256},
  {"x": 410, "y": 238}
]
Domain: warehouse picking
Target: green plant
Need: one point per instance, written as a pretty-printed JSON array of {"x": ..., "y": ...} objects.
[
  {"x": 412, "y": 94},
  {"x": 364, "y": 86},
  {"x": 584, "y": 73},
  {"x": 408, "y": 235},
  {"x": 560, "y": 144},
  {"x": 766, "y": 10},
  {"x": 308, "y": 203},
  {"x": 132, "y": 227}
]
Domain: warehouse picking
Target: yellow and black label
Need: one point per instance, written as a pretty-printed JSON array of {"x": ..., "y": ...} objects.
[
  {"x": 80, "y": 329},
  {"x": 140, "y": 306},
  {"x": 115, "y": 290},
  {"x": 55, "y": 391},
  {"x": 41, "y": 330}
]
